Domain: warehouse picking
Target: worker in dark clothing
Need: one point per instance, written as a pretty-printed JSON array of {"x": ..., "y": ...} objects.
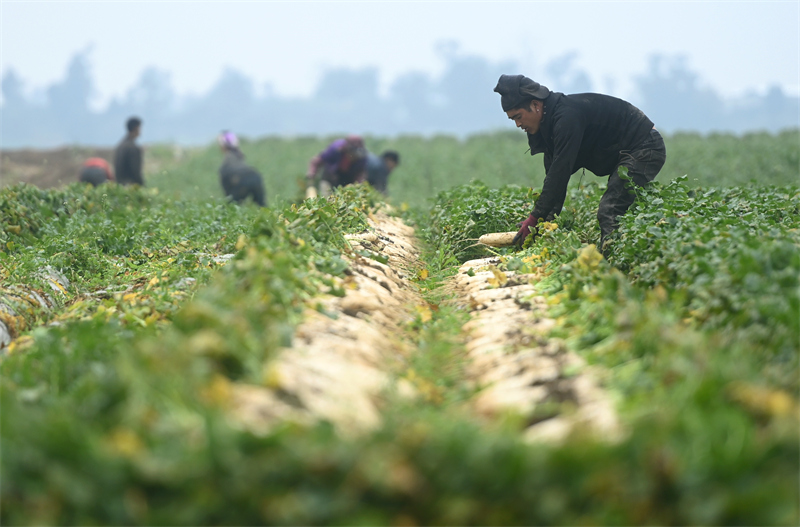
[
  {"x": 128, "y": 156},
  {"x": 238, "y": 179},
  {"x": 96, "y": 171},
  {"x": 586, "y": 130},
  {"x": 343, "y": 162},
  {"x": 379, "y": 168}
]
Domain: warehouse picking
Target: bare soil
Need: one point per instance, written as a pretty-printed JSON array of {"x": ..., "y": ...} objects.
[{"x": 46, "y": 168}]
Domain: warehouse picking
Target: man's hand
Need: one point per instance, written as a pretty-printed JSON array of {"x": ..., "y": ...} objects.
[{"x": 526, "y": 227}]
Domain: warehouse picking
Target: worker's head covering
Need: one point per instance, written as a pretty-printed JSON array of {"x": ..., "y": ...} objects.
[
  {"x": 228, "y": 140},
  {"x": 516, "y": 90},
  {"x": 355, "y": 144}
]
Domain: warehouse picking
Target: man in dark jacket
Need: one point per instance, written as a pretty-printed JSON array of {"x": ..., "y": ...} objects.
[
  {"x": 379, "y": 169},
  {"x": 586, "y": 130},
  {"x": 239, "y": 180},
  {"x": 128, "y": 156}
]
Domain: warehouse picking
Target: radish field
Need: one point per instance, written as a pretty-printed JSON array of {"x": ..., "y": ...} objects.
[{"x": 167, "y": 357}]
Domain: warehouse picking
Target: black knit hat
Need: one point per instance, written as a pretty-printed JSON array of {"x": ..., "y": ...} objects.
[{"x": 516, "y": 90}]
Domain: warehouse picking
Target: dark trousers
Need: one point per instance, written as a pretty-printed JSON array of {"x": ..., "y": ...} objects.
[
  {"x": 94, "y": 175},
  {"x": 643, "y": 163},
  {"x": 240, "y": 186}
]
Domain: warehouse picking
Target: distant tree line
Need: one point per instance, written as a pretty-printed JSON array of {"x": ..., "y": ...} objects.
[{"x": 458, "y": 102}]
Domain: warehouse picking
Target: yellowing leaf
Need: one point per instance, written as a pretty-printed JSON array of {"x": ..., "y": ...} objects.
[
  {"x": 589, "y": 258},
  {"x": 20, "y": 344},
  {"x": 762, "y": 400},
  {"x": 130, "y": 297},
  {"x": 241, "y": 242},
  {"x": 499, "y": 279},
  {"x": 423, "y": 274},
  {"x": 272, "y": 377},
  {"x": 218, "y": 391},
  {"x": 424, "y": 313},
  {"x": 125, "y": 442}
]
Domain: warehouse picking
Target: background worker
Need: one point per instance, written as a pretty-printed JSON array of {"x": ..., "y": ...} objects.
[
  {"x": 379, "y": 169},
  {"x": 96, "y": 171},
  {"x": 239, "y": 180},
  {"x": 128, "y": 155},
  {"x": 343, "y": 162},
  {"x": 586, "y": 130}
]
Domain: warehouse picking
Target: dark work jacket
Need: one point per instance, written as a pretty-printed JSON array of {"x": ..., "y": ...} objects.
[
  {"x": 128, "y": 162},
  {"x": 584, "y": 130},
  {"x": 240, "y": 179},
  {"x": 377, "y": 173},
  {"x": 234, "y": 170}
]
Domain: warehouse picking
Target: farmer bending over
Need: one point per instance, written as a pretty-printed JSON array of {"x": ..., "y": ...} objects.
[
  {"x": 96, "y": 171},
  {"x": 238, "y": 179},
  {"x": 343, "y": 162},
  {"x": 379, "y": 169},
  {"x": 585, "y": 130}
]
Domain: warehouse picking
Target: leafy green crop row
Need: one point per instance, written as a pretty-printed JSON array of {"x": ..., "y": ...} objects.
[
  {"x": 695, "y": 318},
  {"x": 102, "y": 417},
  {"x": 110, "y": 421},
  {"x": 126, "y": 252}
]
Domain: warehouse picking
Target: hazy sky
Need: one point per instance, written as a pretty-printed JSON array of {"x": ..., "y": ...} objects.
[{"x": 734, "y": 46}]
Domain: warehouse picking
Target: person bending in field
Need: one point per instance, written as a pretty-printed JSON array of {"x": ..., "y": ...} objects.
[
  {"x": 379, "y": 169},
  {"x": 96, "y": 171},
  {"x": 585, "y": 130},
  {"x": 128, "y": 155},
  {"x": 239, "y": 180},
  {"x": 343, "y": 162}
]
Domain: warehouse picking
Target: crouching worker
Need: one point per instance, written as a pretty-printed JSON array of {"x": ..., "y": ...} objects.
[
  {"x": 239, "y": 180},
  {"x": 585, "y": 130},
  {"x": 343, "y": 162},
  {"x": 96, "y": 171},
  {"x": 379, "y": 169}
]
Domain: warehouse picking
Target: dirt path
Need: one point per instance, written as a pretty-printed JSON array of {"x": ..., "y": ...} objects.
[{"x": 347, "y": 352}]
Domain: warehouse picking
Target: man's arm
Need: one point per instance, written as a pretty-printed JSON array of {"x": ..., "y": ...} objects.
[
  {"x": 135, "y": 158},
  {"x": 567, "y": 139},
  {"x": 313, "y": 168}
]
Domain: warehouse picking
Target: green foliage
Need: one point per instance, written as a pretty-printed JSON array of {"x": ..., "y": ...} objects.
[
  {"x": 727, "y": 160},
  {"x": 461, "y": 215},
  {"x": 118, "y": 414},
  {"x": 128, "y": 253},
  {"x": 435, "y": 164},
  {"x": 729, "y": 255},
  {"x": 694, "y": 318}
]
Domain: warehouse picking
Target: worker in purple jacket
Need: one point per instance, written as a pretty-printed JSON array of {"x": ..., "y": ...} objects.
[{"x": 343, "y": 162}]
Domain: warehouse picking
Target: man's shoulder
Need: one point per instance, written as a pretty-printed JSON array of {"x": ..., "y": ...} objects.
[
  {"x": 127, "y": 143},
  {"x": 593, "y": 100}
]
